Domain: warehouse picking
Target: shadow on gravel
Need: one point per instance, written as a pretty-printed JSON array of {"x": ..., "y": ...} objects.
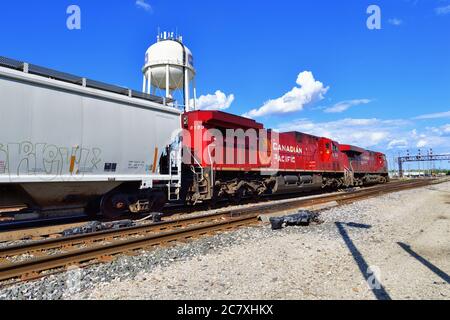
[
  {"x": 367, "y": 272},
  {"x": 425, "y": 262}
]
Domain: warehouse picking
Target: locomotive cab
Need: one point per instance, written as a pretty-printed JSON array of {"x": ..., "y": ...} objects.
[
  {"x": 329, "y": 154},
  {"x": 381, "y": 162},
  {"x": 222, "y": 149}
]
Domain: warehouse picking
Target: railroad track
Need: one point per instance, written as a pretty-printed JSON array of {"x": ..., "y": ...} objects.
[
  {"x": 53, "y": 227},
  {"x": 86, "y": 249},
  {"x": 38, "y": 232}
]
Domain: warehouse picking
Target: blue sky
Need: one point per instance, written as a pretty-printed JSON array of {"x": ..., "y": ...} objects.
[{"x": 385, "y": 89}]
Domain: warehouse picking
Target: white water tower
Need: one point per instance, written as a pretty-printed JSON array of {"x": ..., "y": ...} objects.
[{"x": 169, "y": 66}]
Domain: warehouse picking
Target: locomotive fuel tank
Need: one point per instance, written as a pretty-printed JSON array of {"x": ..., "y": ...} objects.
[{"x": 296, "y": 183}]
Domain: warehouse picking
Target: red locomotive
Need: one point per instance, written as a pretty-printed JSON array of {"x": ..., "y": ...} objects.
[{"x": 231, "y": 157}]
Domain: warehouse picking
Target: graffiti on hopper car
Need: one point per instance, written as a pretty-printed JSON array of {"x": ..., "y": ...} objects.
[{"x": 27, "y": 158}]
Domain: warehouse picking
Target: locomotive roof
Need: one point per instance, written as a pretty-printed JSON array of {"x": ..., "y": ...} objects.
[
  {"x": 228, "y": 120},
  {"x": 225, "y": 119},
  {"x": 301, "y": 133},
  {"x": 350, "y": 148}
]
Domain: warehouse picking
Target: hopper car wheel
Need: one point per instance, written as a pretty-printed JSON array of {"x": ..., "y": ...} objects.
[{"x": 113, "y": 205}]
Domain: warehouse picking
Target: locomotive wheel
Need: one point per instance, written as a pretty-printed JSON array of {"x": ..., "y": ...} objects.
[{"x": 114, "y": 205}]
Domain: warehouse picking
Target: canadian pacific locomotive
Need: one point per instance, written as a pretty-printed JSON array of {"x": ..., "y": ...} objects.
[
  {"x": 233, "y": 157},
  {"x": 67, "y": 141}
]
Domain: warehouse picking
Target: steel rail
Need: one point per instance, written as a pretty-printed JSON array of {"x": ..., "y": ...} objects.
[
  {"x": 31, "y": 268},
  {"x": 107, "y": 235}
]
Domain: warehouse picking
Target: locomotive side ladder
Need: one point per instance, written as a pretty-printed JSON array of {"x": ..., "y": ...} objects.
[
  {"x": 200, "y": 184},
  {"x": 199, "y": 174}
]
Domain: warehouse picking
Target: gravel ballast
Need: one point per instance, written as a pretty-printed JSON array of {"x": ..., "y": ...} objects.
[{"x": 403, "y": 237}]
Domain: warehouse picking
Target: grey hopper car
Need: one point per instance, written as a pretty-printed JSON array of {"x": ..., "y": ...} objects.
[{"x": 69, "y": 141}]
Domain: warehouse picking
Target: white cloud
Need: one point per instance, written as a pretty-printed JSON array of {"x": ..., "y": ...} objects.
[
  {"x": 345, "y": 105},
  {"x": 395, "y": 21},
  {"x": 361, "y": 132},
  {"x": 217, "y": 101},
  {"x": 446, "y": 129},
  {"x": 376, "y": 134},
  {"x": 308, "y": 91},
  {"x": 144, "y": 5},
  {"x": 434, "y": 116},
  {"x": 441, "y": 11},
  {"x": 441, "y": 131},
  {"x": 422, "y": 143},
  {"x": 398, "y": 144}
]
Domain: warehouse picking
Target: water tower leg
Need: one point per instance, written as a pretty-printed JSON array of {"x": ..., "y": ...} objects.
[
  {"x": 167, "y": 81},
  {"x": 186, "y": 90},
  {"x": 195, "y": 95},
  {"x": 149, "y": 86},
  {"x": 143, "y": 83}
]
